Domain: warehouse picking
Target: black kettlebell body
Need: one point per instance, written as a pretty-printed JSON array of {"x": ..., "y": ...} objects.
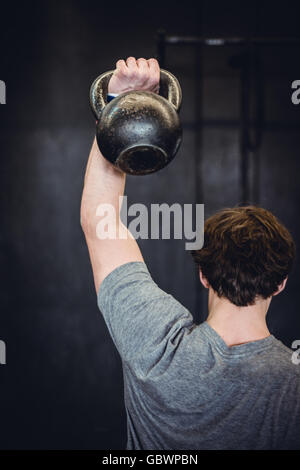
[{"x": 139, "y": 132}]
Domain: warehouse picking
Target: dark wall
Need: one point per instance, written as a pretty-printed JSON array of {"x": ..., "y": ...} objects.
[{"x": 62, "y": 385}]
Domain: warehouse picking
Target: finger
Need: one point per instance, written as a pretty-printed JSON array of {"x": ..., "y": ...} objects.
[
  {"x": 143, "y": 69},
  {"x": 132, "y": 65},
  {"x": 121, "y": 66},
  {"x": 154, "y": 66},
  {"x": 154, "y": 74},
  {"x": 142, "y": 64}
]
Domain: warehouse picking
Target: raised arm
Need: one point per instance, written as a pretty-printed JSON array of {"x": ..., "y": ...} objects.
[{"x": 104, "y": 184}]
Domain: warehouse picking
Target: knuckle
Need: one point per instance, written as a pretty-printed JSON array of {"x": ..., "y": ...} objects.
[
  {"x": 119, "y": 71},
  {"x": 143, "y": 76},
  {"x": 133, "y": 74}
]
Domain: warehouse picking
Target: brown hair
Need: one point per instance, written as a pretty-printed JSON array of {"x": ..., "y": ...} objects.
[{"x": 247, "y": 253}]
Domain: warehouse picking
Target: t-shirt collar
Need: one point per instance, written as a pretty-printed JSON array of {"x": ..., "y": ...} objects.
[{"x": 239, "y": 350}]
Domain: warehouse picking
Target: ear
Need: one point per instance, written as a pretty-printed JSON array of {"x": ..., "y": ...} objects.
[
  {"x": 203, "y": 280},
  {"x": 281, "y": 287}
]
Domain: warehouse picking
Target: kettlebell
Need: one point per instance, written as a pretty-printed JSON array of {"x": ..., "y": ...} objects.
[{"x": 138, "y": 131}]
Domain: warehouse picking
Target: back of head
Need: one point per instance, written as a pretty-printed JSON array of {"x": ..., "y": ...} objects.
[{"x": 247, "y": 254}]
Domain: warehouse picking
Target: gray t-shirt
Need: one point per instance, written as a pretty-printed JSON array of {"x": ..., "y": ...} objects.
[{"x": 184, "y": 388}]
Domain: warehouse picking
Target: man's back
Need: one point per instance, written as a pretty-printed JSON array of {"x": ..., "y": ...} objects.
[{"x": 184, "y": 387}]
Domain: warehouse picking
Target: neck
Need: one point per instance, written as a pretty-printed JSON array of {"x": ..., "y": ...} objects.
[{"x": 238, "y": 325}]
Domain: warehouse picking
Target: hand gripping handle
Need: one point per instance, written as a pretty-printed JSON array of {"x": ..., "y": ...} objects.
[{"x": 169, "y": 89}]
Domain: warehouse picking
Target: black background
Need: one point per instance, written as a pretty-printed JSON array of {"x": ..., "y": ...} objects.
[{"x": 62, "y": 385}]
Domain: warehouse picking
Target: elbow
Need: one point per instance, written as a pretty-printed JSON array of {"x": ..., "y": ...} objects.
[{"x": 100, "y": 224}]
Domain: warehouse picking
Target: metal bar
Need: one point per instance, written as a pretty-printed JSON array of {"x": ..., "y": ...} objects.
[
  {"x": 244, "y": 119},
  {"x": 230, "y": 41}
]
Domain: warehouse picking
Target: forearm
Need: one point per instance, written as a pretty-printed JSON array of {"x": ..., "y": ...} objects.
[{"x": 103, "y": 184}]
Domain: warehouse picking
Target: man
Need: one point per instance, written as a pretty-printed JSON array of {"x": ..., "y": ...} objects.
[{"x": 224, "y": 384}]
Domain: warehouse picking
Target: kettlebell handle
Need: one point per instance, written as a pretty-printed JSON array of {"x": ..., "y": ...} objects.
[{"x": 169, "y": 89}]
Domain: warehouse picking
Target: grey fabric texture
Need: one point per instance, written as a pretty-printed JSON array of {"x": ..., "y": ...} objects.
[{"x": 184, "y": 388}]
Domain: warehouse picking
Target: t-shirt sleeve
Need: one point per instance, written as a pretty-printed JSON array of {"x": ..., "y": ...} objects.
[{"x": 145, "y": 323}]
